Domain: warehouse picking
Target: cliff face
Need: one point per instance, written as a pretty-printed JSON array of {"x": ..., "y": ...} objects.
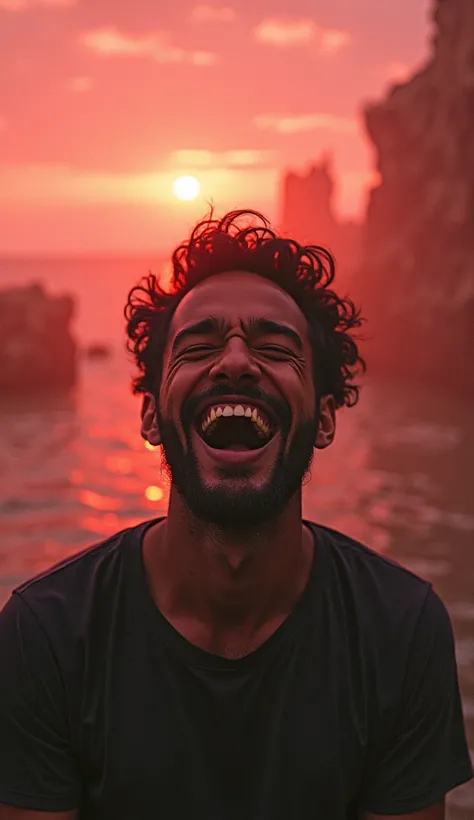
[
  {"x": 37, "y": 351},
  {"x": 418, "y": 249}
]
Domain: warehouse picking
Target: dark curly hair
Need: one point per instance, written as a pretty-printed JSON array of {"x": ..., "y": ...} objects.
[{"x": 304, "y": 272}]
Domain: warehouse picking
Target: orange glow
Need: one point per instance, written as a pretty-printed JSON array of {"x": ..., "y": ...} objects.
[
  {"x": 99, "y": 502},
  {"x": 76, "y": 477},
  {"x": 150, "y": 446},
  {"x": 154, "y": 493},
  {"x": 186, "y": 188},
  {"x": 117, "y": 464},
  {"x": 103, "y": 525},
  {"x": 89, "y": 186}
]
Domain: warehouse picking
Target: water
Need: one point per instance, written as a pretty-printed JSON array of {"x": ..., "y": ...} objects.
[{"x": 399, "y": 476}]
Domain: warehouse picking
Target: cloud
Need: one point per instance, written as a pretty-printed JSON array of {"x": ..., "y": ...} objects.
[
  {"x": 212, "y": 14},
  {"x": 157, "y": 46},
  {"x": 202, "y": 57},
  {"x": 300, "y": 123},
  {"x": 333, "y": 40},
  {"x": 289, "y": 33},
  {"x": 22, "y": 5},
  {"x": 81, "y": 84},
  {"x": 197, "y": 158},
  {"x": 285, "y": 33}
]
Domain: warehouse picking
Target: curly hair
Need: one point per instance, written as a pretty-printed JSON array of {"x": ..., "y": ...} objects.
[{"x": 304, "y": 272}]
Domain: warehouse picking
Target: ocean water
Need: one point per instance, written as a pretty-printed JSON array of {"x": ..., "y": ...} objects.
[{"x": 399, "y": 476}]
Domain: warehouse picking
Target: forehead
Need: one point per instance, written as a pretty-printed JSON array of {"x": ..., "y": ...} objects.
[{"x": 235, "y": 296}]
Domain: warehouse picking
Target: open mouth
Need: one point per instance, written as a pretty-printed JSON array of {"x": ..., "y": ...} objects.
[{"x": 235, "y": 427}]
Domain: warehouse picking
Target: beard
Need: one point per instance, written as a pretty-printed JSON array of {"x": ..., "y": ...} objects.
[{"x": 240, "y": 506}]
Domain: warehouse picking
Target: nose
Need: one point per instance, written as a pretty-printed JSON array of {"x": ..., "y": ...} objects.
[{"x": 235, "y": 363}]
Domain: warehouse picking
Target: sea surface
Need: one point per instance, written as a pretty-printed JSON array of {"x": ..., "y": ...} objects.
[{"x": 399, "y": 476}]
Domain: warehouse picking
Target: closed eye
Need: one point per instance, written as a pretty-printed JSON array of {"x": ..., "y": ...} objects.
[
  {"x": 199, "y": 349},
  {"x": 276, "y": 350},
  {"x": 273, "y": 351}
]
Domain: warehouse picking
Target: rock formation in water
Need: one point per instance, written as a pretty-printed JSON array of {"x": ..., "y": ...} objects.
[
  {"x": 418, "y": 252},
  {"x": 37, "y": 350},
  {"x": 307, "y": 204},
  {"x": 308, "y": 213}
]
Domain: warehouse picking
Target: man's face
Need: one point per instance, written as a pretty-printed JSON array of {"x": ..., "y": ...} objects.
[{"x": 236, "y": 411}]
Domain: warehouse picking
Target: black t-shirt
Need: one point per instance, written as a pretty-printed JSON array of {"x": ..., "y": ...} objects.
[{"x": 352, "y": 703}]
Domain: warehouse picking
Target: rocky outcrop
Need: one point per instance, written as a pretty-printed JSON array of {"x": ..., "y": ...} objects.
[
  {"x": 418, "y": 248},
  {"x": 308, "y": 213},
  {"x": 307, "y": 204},
  {"x": 37, "y": 350}
]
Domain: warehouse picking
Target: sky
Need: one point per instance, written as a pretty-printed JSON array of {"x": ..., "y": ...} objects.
[{"x": 104, "y": 103}]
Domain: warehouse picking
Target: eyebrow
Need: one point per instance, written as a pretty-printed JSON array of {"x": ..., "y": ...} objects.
[
  {"x": 262, "y": 325},
  {"x": 215, "y": 324}
]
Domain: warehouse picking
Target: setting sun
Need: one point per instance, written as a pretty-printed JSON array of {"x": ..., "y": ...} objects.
[{"x": 186, "y": 188}]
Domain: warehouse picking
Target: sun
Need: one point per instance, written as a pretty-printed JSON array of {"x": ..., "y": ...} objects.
[{"x": 186, "y": 188}]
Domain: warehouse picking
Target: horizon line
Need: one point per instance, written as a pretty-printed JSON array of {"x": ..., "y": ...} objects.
[{"x": 87, "y": 254}]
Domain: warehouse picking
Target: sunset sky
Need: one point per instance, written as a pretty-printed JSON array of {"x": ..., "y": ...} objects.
[{"x": 103, "y": 103}]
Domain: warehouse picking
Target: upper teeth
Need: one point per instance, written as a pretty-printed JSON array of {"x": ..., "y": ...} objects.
[{"x": 228, "y": 410}]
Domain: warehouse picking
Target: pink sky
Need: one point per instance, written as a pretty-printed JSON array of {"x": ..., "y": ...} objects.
[{"x": 103, "y": 103}]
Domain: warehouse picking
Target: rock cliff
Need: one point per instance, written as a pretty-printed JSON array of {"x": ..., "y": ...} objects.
[
  {"x": 417, "y": 270},
  {"x": 37, "y": 350},
  {"x": 308, "y": 214}
]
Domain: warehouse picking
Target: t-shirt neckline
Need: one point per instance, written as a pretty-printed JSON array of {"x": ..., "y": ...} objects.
[{"x": 194, "y": 655}]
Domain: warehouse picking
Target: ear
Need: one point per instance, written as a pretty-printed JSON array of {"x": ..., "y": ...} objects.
[
  {"x": 149, "y": 429},
  {"x": 327, "y": 422}
]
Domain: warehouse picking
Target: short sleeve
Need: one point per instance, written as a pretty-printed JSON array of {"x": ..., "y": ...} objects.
[
  {"x": 427, "y": 756},
  {"x": 37, "y": 767}
]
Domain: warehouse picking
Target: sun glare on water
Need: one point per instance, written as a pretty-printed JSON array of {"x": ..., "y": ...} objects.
[{"x": 186, "y": 188}]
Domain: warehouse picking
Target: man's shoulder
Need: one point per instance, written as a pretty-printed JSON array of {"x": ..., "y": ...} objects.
[
  {"x": 355, "y": 553},
  {"x": 70, "y": 583},
  {"x": 374, "y": 583}
]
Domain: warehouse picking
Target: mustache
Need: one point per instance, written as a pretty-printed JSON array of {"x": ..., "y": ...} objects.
[{"x": 250, "y": 393}]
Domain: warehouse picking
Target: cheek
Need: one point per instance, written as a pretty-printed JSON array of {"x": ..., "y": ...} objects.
[
  {"x": 176, "y": 387},
  {"x": 308, "y": 397},
  {"x": 309, "y": 401},
  {"x": 170, "y": 405},
  {"x": 168, "y": 401},
  {"x": 298, "y": 389}
]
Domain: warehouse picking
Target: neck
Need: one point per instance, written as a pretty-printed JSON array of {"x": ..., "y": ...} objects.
[{"x": 227, "y": 587}]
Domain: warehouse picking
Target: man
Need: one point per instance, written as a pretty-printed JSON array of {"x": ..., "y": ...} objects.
[{"x": 232, "y": 660}]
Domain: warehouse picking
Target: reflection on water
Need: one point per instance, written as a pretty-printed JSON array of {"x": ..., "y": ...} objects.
[{"x": 399, "y": 478}]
